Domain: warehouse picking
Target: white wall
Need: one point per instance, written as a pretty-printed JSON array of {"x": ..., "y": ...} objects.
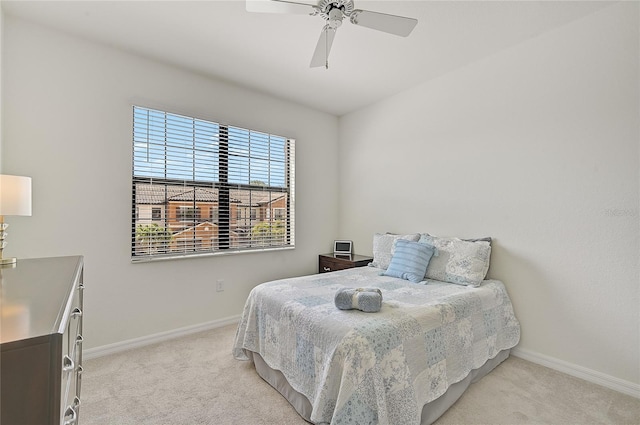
[
  {"x": 536, "y": 146},
  {"x": 68, "y": 125}
]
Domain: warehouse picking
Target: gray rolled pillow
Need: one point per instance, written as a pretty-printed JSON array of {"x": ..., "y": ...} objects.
[{"x": 368, "y": 300}]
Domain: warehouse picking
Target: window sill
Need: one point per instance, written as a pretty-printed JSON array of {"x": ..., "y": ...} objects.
[{"x": 189, "y": 255}]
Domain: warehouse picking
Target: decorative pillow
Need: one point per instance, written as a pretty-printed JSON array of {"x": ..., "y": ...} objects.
[
  {"x": 410, "y": 260},
  {"x": 384, "y": 245},
  {"x": 458, "y": 261},
  {"x": 485, "y": 239}
]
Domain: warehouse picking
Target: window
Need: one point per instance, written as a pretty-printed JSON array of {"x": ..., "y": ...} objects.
[
  {"x": 209, "y": 187},
  {"x": 188, "y": 213}
]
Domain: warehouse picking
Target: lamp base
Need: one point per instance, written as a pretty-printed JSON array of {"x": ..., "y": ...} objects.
[{"x": 8, "y": 261}]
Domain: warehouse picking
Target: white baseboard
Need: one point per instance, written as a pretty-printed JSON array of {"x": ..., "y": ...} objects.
[
  {"x": 589, "y": 375},
  {"x": 118, "y": 347}
]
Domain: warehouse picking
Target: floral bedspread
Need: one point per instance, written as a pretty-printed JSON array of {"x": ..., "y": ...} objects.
[{"x": 374, "y": 368}]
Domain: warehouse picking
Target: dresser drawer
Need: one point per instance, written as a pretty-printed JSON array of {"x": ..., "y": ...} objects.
[{"x": 72, "y": 361}]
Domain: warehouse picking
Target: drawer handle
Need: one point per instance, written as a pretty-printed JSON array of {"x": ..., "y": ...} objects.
[
  {"x": 67, "y": 364},
  {"x": 71, "y": 414},
  {"x": 76, "y": 401},
  {"x": 80, "y": 369},
  {"x": 79, "y": 339},
  {"x": 76, "y": 312},
  {"x": 327, "y": 269},
  {"x": 81, "y": 287}
]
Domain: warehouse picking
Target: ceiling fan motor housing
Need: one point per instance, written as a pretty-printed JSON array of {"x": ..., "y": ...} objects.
[{"x": 334, "y": 10}]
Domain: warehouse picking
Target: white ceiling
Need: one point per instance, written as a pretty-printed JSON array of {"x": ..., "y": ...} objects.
[{"x": 271, "y": 52}]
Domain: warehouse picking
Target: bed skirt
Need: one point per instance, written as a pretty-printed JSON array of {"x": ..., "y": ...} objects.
[{"x": 430, "y": 411}]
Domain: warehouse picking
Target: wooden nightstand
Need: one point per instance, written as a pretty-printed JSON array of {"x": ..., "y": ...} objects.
[{"x": 333, "y": 262}]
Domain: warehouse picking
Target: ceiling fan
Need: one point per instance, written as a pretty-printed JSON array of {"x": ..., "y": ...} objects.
[{"x": 333, "y": 12}]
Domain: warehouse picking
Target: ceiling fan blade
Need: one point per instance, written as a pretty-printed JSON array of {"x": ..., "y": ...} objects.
[
  {"x": 392, "y": 24},
  {"x": 321, "y": 55},
  {"x": 279, "y": 6}
]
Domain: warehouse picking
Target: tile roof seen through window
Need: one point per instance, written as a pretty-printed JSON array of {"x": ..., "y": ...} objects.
[{"x": 151, "y": 194}]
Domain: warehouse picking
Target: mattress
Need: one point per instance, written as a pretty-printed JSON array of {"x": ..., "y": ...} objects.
[{"x": 381, "y": 368}]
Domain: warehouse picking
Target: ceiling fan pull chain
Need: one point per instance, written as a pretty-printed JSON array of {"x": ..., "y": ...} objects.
[{"x": 326, "y": 43}]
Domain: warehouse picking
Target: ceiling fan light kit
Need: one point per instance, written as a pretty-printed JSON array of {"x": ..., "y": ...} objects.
[{"x": 333, "y": 12}]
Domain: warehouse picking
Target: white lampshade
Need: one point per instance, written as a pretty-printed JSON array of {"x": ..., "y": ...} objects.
[{"x": 15, "y": 195}]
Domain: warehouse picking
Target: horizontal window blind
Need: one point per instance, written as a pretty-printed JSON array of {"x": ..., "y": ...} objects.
[{"x": 203, "y": 187}]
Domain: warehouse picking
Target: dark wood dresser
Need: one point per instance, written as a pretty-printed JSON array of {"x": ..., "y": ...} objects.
[
  {"x": 333, "y": 262},
  {"x": 41, "y": 341}
]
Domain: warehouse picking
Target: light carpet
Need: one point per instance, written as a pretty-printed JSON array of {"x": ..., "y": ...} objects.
[{"x": 194, "y": 380}]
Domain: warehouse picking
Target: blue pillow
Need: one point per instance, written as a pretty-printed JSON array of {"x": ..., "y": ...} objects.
[{"x": 410, "y": 260}]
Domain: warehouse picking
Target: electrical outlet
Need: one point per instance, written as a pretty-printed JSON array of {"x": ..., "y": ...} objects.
[{"x": 220, "y": 285}]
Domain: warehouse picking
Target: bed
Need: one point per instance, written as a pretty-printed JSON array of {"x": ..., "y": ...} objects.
[{"x": 405, "y": 364}]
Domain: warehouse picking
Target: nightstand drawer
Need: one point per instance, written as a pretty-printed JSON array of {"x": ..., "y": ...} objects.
[
  {"x": 333, "y": 262},
  {"x": 328, "y": 265}
]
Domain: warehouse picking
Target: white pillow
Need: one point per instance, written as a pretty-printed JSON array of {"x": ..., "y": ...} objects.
[
  {"x": 384, "y": 247},
  {"x": 458, "y": 261}
]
